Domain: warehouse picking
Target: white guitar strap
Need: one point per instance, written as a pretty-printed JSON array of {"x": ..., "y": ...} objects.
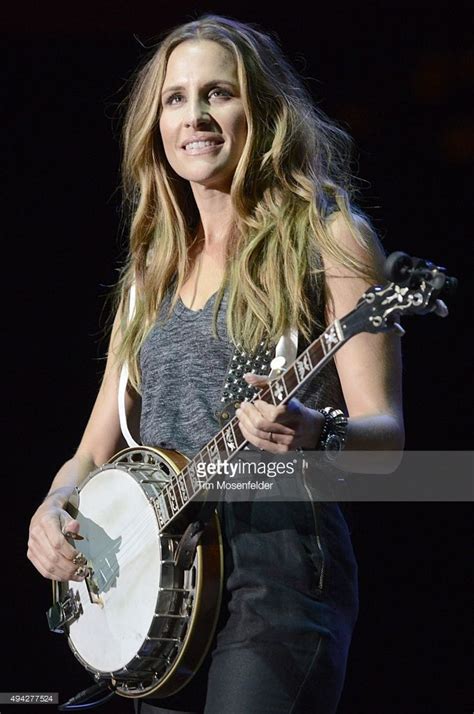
[
  {"x": 124, "y": 380},
  {"x": 285, "y": 353}
]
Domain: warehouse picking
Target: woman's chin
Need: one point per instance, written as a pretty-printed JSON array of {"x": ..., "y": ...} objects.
[{"x": 216, "y": 182}]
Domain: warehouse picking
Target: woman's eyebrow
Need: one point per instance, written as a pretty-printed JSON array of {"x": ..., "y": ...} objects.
[{"x": 211, "y": 83}]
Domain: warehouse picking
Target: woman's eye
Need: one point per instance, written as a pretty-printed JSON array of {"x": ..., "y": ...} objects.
[
  {"x": 219, "y": 93},
  {"x": 173, "y": 99}
]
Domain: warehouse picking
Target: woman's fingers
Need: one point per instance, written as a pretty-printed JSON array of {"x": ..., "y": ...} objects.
[
  {"x": 55, "y": 527},
  {"x": 267, "y": 426},
  {"x": 264, "y": 443},
  {"x": 256, "y": 380},
  {"x": 260, "y": 425},
  {"x": 263, "y": 433},
  {"x": 291, "y": 425},
  {"x": 63, "y": 563},
  {"x": 48, "y": 548},
  {"x": 50, "y": 565}
]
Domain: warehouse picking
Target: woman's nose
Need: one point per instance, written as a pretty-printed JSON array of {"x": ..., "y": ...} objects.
[{"x": 197, "y": 114}]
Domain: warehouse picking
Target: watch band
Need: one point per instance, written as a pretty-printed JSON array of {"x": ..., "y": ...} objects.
[{"x": 333, "y": 434}]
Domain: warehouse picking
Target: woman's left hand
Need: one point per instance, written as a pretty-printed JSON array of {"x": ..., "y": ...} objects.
[{"x": 281, "y": 428}]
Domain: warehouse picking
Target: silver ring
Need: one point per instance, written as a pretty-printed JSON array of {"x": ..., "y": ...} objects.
[{"x": 271, "y": 437}]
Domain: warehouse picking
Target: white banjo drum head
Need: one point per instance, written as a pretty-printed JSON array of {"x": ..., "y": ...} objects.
[{"x": 121, "y": 541}]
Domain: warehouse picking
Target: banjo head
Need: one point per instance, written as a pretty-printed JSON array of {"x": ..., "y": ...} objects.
[{"x": 121, "y": 541}]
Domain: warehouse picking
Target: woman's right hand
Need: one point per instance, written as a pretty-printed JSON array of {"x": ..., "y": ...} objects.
[
  {"x": 48, "y": 549},
  {"x": 51, "y": 553}
]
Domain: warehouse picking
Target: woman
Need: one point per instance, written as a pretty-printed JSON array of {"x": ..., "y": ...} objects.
[{"x": 242, "y": 226}]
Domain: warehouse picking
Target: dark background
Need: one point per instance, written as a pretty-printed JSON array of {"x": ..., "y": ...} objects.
[{"x": 399, "y": 80}]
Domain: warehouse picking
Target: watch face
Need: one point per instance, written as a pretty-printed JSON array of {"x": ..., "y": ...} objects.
[{"x": 333, "y": 443}]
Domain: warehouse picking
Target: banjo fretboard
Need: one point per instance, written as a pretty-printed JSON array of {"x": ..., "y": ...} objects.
[{"x": 195, "y": 477}]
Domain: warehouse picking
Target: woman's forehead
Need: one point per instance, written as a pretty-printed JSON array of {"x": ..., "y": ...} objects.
[{"x": 195, "y": 58}]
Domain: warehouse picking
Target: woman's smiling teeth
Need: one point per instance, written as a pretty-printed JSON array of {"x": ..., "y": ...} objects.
[{"x": 201, "y": 144}]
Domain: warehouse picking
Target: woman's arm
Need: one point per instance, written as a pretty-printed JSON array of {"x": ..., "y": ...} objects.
[
  {"x": 369, "y": 368},
  {"x": 48, "y": 549},
  {"x": 370, "y": 372},
  {"x": 369, "y": 365}
]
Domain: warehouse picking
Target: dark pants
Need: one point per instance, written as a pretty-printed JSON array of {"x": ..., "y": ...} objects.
[{"x": 289, "y": 610}]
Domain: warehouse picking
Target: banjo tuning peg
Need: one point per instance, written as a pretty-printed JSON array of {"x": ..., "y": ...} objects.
[
  {"x": 398, "y": 329},
  {"x": 441, "y": 308}
]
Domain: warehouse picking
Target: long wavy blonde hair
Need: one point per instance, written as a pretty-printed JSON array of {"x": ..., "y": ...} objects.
[{"x": 294, "y": 168}]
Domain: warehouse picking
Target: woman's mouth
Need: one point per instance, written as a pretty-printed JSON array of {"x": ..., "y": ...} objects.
[{"x": 202, "y": 147}]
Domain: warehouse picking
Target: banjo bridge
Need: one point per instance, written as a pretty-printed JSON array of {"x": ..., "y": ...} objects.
[{"x": 93, "y": 590}]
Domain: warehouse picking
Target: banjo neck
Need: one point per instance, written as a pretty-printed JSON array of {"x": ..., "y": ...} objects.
[{"x": 184, "y": 487}]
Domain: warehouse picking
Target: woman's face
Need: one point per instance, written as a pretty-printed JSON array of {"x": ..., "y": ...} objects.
[{"x": 202, "y": 123}]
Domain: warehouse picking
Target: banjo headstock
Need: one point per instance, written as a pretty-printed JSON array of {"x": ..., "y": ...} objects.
[{"x": 414, "y": 287}]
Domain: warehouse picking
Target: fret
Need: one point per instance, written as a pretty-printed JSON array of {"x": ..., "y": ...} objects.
[
  {"x": 182, "y": 488},
  {"x": 167, "y": 501},
  {"x": 201, "y": 458},
  {"x": 229, "y": 439},
  {"x": 188, "y": 482},
  {"x": 221, "y": 446},
  {"x": 158, "y": 511},
  {"x": 193, "y": 476},
  {"x": 278, "y": 390},
  {"x": 177, "y": 491},
  {"x": 331, "y": 337},
  {"x": 172, "y": 497},
  {"x": 236, "y": 432},
  {"x": 302, "y": 366},
  {"x": 213, "y": 451},
  {"x": 316, "y": 353},
  {"x": 239, "y": 437},
  {"x": 291, "y": 380},
  {"x": 270, "y": 396}
]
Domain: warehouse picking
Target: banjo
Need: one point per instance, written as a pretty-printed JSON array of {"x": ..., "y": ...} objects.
[{"x": 143, "y": 619}]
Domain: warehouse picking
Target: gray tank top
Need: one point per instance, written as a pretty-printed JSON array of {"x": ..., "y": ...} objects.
[{"x": 183, "y": 368}]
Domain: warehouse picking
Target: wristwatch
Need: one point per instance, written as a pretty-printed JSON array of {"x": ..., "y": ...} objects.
[{"x": 333, "y": 433}]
